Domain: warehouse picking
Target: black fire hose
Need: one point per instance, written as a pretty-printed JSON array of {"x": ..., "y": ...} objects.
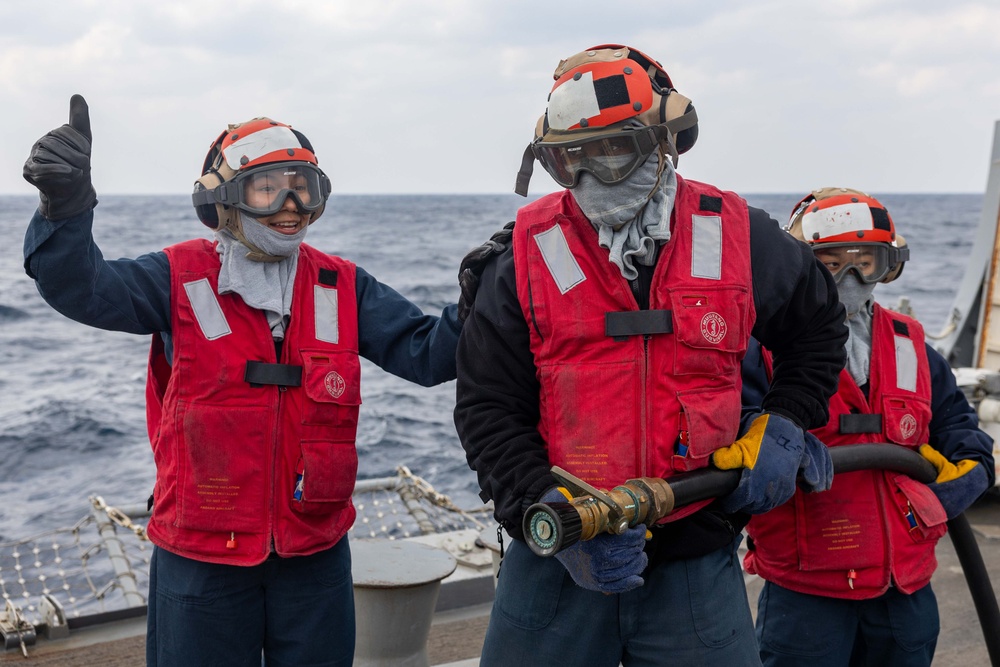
[
  {"x": 711, "y": 483},
  {"x": 549, "y": 528},
  {"x": 980, "y": 586}
]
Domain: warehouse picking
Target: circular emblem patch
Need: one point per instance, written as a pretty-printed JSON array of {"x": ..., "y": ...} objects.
[
  {"x": 713, "y": 328},
  {"x": 907, "y": 426},
  {"x": 334, "y": 384}
]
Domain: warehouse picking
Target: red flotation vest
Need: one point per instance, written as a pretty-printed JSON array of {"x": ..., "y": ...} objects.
[
  {"x": 872, "y": 528},
  {"x": 628, "y": 392},
  {"x": 254, "y": 453}
]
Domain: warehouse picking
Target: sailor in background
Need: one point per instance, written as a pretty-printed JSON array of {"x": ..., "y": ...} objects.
[
  {"x": 607, "y": 340},
  {"x": 253, "y": 389},
  {"x": 848, "y": 571}
]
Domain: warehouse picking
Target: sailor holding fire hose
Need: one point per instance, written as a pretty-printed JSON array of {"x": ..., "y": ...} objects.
[{"x": 607, "y": 340}]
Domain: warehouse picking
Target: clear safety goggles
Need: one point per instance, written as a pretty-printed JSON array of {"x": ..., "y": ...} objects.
[
  {"x": 870, "y": 262},
  {"x": 610, "y": 158},
  {"x": 263, "y": 191}
]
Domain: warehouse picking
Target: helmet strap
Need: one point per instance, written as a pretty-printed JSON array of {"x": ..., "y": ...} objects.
[{"x": 669, "y": 147}]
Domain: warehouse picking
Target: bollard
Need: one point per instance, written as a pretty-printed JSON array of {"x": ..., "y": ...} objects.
[{"x": 396, "y": 586}]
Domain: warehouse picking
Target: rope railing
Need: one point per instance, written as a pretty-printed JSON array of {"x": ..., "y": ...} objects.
[{"x": 101, "y": 563}]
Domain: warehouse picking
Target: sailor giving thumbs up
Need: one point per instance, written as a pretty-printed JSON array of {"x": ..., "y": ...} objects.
[{"x": 59, "y": 166}]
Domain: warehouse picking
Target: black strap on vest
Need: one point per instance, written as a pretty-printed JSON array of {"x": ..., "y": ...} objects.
[
  {"x": 619, "y": 325},
  {"x": 259, "y": 373},
  {"x": 856, "y": 423}
]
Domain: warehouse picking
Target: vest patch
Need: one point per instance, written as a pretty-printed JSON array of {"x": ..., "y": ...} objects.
[
  {"x": 906, "y": 364},
  {"x": 710, "y": 203},
  {"x": 208, "y": 312},
  {"x": 713, "y": 327},
  {"x": 334, "y": 384},
  {"x": 328, "y": 277},
  {"x": 706, "y": 247},
  {"x": 563, "y": 267},
  {"x": 327, "y": 316}
]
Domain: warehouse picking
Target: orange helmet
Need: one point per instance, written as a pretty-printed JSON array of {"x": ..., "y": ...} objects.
[
  {"x": 258, "y": 150},
  {"x": 848, "y": 229},
  {"x": 611, "y": 106}
]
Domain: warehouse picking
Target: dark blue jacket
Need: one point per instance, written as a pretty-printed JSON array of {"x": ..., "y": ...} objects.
[{"x": 133, "y": 295}]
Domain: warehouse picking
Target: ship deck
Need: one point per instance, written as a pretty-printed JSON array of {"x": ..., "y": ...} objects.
[{"x": 456, "y": 635}]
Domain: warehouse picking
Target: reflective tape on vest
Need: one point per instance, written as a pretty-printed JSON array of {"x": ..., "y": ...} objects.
[
  {"x": 327, "y": 316},
  {"x": 706, "y": 247},
  {"x": 559, "y": 259},
  {"x": 207, "y": 310},
  {"x": 906, "y": 364}
]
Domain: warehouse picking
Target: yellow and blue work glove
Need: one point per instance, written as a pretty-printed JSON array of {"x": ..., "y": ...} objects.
[
  {"x": 958, "y": 485},
  {"x": 776, "y": 456},
  {"x": 607, "y": 563}
]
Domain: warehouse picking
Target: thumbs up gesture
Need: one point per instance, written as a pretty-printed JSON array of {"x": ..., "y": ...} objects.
[{"x": 59, "y": 166}]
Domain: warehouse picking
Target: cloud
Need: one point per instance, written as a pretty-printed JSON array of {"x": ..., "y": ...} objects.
[{"x": 442, "y": 96}]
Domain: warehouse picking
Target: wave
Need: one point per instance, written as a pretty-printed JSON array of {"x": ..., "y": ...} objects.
[{"x": 12, "y": 314}]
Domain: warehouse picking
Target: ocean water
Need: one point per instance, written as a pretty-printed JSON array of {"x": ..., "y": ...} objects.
[{"x": 72, "y": 419}]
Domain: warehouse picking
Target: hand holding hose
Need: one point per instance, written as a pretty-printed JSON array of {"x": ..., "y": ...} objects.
[
  {"x": 59, "y": 166},
  {"x": 957, "y": 485},
  {"x": 608, "y": 563},
  {"x": 772, "y": 453}
]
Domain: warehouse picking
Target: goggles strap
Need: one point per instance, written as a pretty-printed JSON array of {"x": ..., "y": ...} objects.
[
  {"x": 524, "y": 174},
  {"x": 681, "y": 123}
]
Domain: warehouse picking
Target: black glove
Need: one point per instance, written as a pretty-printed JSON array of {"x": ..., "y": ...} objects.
[
  {"x": 471, "y": 268},
  {"x": 59, "y": 166}
]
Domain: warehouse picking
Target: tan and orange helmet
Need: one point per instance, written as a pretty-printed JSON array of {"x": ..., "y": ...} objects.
[
  {"x": 849, "y": 229},
  {"x": 611, "y": 106},
  {"x": 255, "y": 149}
]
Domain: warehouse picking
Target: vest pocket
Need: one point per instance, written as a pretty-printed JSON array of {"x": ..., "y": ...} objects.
[
  {"x": 905, "y": 419},
  {"x": 921, "y": 512},
  {"x": 711, "y": 418},
  {"x": 708, "y": 326},
  {"x": 332, "y": 386},
  {"x": 326, "y": 472},
  {"x": 220, "y": 470},
  {"x": 590, "y": 419},
  {"x": 840, "y": 529}
]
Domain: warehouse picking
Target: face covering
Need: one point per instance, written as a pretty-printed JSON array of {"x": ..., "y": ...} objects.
[
  {"x": 266, "y": 286},
  {"x": 853, "y": 293},
  {"x": 632, "y": 216},
  {"x": 857, "y": 299}
]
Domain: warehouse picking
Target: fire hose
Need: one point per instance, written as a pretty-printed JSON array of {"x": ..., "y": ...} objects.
[{"x": 551, "y": 527}]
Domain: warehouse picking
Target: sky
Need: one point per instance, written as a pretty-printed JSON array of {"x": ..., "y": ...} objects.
[{"x": 441, "y": 96}]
